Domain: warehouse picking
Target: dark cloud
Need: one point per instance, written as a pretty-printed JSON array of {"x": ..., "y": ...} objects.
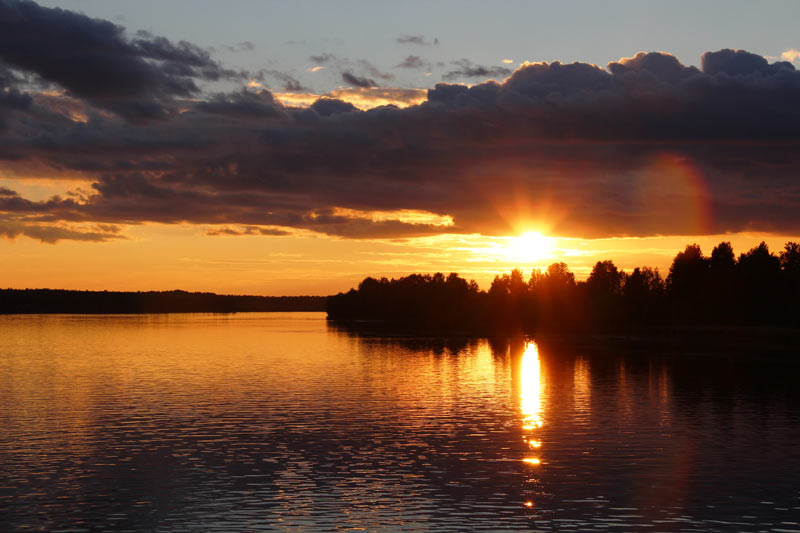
[
  {"x": 356, "y": 81},
  {"x": 645, "y": 146},
  {"x": 326, "y": 107},
  {"x": 741, "y": 63},
  {"x": 93, "y": 59},
  {"x": 416, "y": 39},
  {"x": 413, "y": 62},
  {"x": 11, "y": 97},
  {"x": 467, "y": 69},
  {"x": 244, "y": 103},
  {"x": 7, "y": 192}
]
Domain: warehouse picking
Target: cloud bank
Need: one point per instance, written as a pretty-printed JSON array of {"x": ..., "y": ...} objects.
[{"x": 643, "y": 146}]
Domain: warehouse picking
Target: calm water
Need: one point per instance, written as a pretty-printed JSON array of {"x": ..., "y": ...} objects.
[{"x": 279, "y": 422}]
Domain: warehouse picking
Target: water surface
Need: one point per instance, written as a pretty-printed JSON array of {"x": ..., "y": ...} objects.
[{"x": 275, "y": 421}]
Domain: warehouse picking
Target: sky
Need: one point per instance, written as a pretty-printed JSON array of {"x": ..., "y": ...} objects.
[{"x": 285, "y": 148}]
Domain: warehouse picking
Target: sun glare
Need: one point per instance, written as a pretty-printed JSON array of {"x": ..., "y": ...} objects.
[{"x": 529, "y": 247}]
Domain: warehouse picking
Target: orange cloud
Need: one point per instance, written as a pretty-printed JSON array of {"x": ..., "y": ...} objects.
[{"x": 361, "y": 97}]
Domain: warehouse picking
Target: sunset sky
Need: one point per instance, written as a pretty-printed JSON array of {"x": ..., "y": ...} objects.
[{"x": 286, "y": 148}]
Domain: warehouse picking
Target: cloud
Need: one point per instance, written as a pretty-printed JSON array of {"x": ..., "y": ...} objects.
[
  {"x": 467, "y": 69},
  {"x": 245, "y": 230},
  {"x": 323, "y": 59},
  {"x": 355, "y": 81},
  {"x": 326, "y": 107},
  {"x": 792, "y": 55},
  {"x": 11, "y": 97},
  {"x": 355, "y": 72},
  {"x": 51, "y": 234},
  {"x": 245, "y": 103},
  {"x": 244, "y": 46},
  {"x": 290, "y": 83},
  {"x": 644, "y": 146},
  {"x": 415, "y": 39},
  {"x": 413, "y": 62},
  {"x": 362, "y": 98},
  {"x": 92, "y": 59}
]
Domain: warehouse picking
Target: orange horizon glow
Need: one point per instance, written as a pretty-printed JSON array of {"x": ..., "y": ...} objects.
[{"x": 183, "y": 256}]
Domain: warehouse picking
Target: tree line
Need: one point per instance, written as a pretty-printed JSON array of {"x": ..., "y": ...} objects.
[
  {"x": 759, "y": 288},
  {"x": 19, "y": 301}
]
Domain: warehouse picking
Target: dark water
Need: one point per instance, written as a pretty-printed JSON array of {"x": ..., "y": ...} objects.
[{"x": 278, "y": 422}]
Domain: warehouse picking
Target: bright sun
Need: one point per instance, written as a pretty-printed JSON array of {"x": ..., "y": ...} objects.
[{"x": 529, "y": 247}]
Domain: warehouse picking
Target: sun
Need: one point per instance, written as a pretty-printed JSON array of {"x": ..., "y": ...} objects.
[{"x": 529, "y": 247}]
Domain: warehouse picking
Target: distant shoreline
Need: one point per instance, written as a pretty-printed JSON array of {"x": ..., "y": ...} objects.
[{"x": 62, "y": 301}]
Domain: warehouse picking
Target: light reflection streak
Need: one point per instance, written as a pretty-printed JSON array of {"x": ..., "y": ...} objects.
[
  {"x": 581, "y": 388},
  {"x": 531, "y": 388}
]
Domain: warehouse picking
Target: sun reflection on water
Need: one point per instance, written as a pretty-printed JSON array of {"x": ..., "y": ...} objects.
[{"x": 531, "y": 388}]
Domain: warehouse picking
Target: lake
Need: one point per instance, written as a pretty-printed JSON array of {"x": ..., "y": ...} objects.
[{"x": 279, "y": 421}]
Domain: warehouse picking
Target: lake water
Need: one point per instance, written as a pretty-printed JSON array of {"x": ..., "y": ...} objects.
[{"x": 275, "y": 421}]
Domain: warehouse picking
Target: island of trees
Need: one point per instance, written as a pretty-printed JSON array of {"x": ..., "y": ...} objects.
[
  {"x": 107, "y": 302},
  {"x": 757, "y": 289}
]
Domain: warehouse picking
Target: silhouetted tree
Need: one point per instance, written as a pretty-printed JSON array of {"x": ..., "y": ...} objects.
[
  {"x": 510, "y": 301},
  {"x": 559, "y": 276},
  {"x": 687, "y": 283},
  {"x": 556, "y": 299},
  {"x": 760, "y": 280},
  {"x": 723, "y": 305},
  {"x": 605, "y": 279},
  {"x": 604, "y": 294},
  {"x": 790, "y": 264},
  {"x": 790, "y": 258},
  {"x": 643, "y": 296},
  {"x": 722, "y": 258}
]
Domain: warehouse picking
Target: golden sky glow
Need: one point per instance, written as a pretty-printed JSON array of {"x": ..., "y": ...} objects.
[{"x": 164, "y": 257}]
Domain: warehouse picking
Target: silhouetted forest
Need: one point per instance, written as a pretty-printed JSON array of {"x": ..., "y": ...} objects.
[
  {"x": 106, "y": 302},
  {"x": 757, "y": 289}
]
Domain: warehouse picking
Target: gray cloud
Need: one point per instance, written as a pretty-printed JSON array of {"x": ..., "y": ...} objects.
[
  {"x": 356, "y": 81},
  {"x": 244, "y": 46},
  {"x": 358, "y": 68},
  {"x": 413, "y": 62},
  {"x": 93, "y": 60},
  {"x": 416, "y": 39},
  {"x": 466, "y": 69}
]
